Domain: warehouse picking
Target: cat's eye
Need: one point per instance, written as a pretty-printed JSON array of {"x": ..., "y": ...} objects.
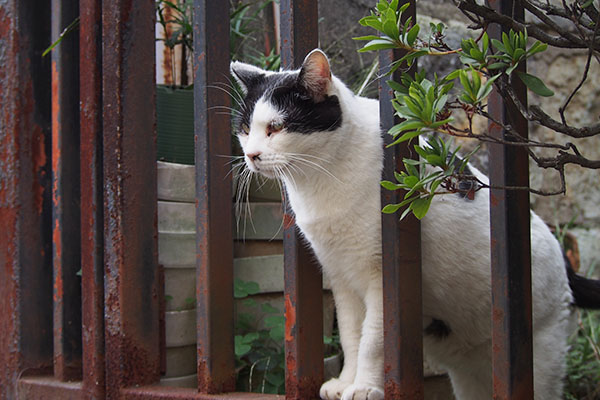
[
  {"x": 245, "y": 129},
  {"x": 274, "y": 127}
]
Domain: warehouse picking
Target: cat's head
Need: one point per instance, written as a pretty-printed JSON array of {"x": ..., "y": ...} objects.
[{"x": 286, "y": 118}]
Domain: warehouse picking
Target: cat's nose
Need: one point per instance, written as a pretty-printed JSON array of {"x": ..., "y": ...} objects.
[{"x": 254, "y": 156}]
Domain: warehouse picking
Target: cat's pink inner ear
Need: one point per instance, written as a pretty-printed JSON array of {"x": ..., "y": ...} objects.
[{"x": 315, "y": 75}]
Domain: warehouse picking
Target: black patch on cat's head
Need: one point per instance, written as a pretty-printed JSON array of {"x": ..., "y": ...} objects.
[
  {"x": 305, "y": 109},
  {"x": 438, "y": 329}
]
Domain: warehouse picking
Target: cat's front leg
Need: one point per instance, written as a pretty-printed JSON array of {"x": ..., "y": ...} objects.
[
  {"x": 368, "y": 383},
  {"x": 350, "y": 315}
]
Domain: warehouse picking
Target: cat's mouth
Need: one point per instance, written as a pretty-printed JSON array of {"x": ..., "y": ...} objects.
[{"x": 264, "y": 164}]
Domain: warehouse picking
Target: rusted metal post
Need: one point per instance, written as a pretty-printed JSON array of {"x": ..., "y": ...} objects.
[
  {"x": 510, "y": 242},
  {"x": 303, "y": 285},
  {"x": 25, "y": 241},
  {"x": 401, "y": 249},
  {"x": 130, "y": 206},
  {"x": 65, "y": 195},
  {"x": 92, "y": 243},
  {"x": 214, "y": 233}
]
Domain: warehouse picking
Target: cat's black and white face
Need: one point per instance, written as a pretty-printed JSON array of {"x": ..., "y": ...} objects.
[{"x": 286, "y": 118}]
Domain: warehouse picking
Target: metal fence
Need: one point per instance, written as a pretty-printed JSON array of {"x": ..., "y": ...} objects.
[{"x": 78, "y": 189}]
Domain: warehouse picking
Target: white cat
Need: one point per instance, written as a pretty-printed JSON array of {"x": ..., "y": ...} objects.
[{"x": 309, "y": 130}]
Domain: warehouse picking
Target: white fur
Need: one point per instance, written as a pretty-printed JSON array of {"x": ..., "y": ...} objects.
[{"x": 334, "y": 193}]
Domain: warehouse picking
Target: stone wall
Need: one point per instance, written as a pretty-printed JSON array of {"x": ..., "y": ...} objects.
[{"x": 561, "y": 70}]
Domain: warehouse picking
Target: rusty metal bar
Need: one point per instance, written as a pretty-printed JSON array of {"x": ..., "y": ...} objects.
[
  {"x": 302, "y": 276},
  {"x": 510, "y": 243},
  {"x": 47, "y": 388},
  {"x": 92, "y": 243},
  {"x": 173, "y": 393},
  {"x": 130, "y": 206},
  {"x": 214, "y": 236},
  {"x": 25, "y": 237},
  {"x": 65, "y": 195},
  {"x": 401, "y": 249}
]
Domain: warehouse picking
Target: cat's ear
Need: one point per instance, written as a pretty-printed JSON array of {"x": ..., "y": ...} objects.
[
  {"x": 315, "y": 75},
  {"x": 246, "y": 75}
]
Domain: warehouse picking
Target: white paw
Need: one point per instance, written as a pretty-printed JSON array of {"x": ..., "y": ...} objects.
[
  {"x": 362, "y": 392},
  {"x": 333, "y": 389}
]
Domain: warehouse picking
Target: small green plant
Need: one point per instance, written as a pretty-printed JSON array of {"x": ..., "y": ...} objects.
[
  {"x": 242, "y": 21},
  {"x": 259, "y": 351},
  {"x": 583, "y": 361}
]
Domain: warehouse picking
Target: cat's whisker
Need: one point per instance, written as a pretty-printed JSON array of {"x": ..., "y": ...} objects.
[
  {"x": 315, "y": 166},
  {"x": 234, "y": 166},
  {"x": 309, "y": 155},
  {"x": 235, "y": 96},
  {"x": 231, "y": 111}
]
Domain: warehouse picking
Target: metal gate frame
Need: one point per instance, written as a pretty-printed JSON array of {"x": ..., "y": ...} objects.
[{"x": 77, "y": 190}]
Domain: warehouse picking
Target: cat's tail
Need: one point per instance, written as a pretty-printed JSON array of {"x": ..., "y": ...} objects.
[{"x": 586, "y": 292}]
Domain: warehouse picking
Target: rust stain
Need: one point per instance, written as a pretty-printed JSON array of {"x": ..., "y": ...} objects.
[
  {"x": 290, "y": 318},
  {"x": 39, "y": 162},
  {"x": 58, "y": 283},
  {"x": 494, "y": 200},
  {"x": 288, "y": 221},
  {"x": 56, "y": 153},
  {"x": 167, "y": 54},
  {"x": 497, "y": 315}
]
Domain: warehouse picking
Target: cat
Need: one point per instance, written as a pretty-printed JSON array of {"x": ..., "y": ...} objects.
[{"x": 308, "y": 130}]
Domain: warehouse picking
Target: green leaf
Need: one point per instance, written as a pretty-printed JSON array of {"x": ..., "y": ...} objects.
[
  {"x": 396, "y": 86},
  {"x": 368, "y": 37},
  {"x": 250, "y": 337},
  {"x": 390, "y": 185},
  {"x": 241, "y": 348},
  {"x": 411, "y": 36},
  {"x": 452, "y": 75},
  {"x": 497, "y": 65},
  {"x": 70, "y": 28},
  {"x": 498, "y": 45},
  {"x": 379, "y": 44},
  {"x": 391, "y": 208},
  {"x": 406, "y": 136},
  {"x": 435, "y": 160},
  {"x": 269, "y": 309},
  {"x": 411, "y": 181},
  {"x": 277, "y": 333},
  {"x": 390, "y": 28},
  {"x": 274, "y": 320},
  {"x": 535, "y": 84},
  {"x": 420, "y": 206}
]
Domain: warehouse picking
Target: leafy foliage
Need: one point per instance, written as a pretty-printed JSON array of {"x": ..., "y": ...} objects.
[
  {"x": 427, "y": 107},
  {"x": 259, "y": 351},
  {"x": 583, "y": 374}
]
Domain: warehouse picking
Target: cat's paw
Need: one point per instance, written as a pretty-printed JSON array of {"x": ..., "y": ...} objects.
[
  {"x": 333, "y": 389},
  {"x": 362, "y": 392}
]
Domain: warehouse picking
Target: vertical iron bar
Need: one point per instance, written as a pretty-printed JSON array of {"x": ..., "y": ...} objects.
[
  {"x": 510, "y": 242},
  {"x": 130, "y": 205},
  {"x": 303, "y": 281},
  {"x": 92, "y": 244},
  {"x": 25, "y": 240},
  {"x": 401, "y": 249},
  {"x": 214, "y": 236},
  {"x": 65, "y": 195}
]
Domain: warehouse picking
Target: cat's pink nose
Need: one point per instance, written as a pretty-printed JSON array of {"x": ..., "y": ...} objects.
[{"x": 254, "y": 156}]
